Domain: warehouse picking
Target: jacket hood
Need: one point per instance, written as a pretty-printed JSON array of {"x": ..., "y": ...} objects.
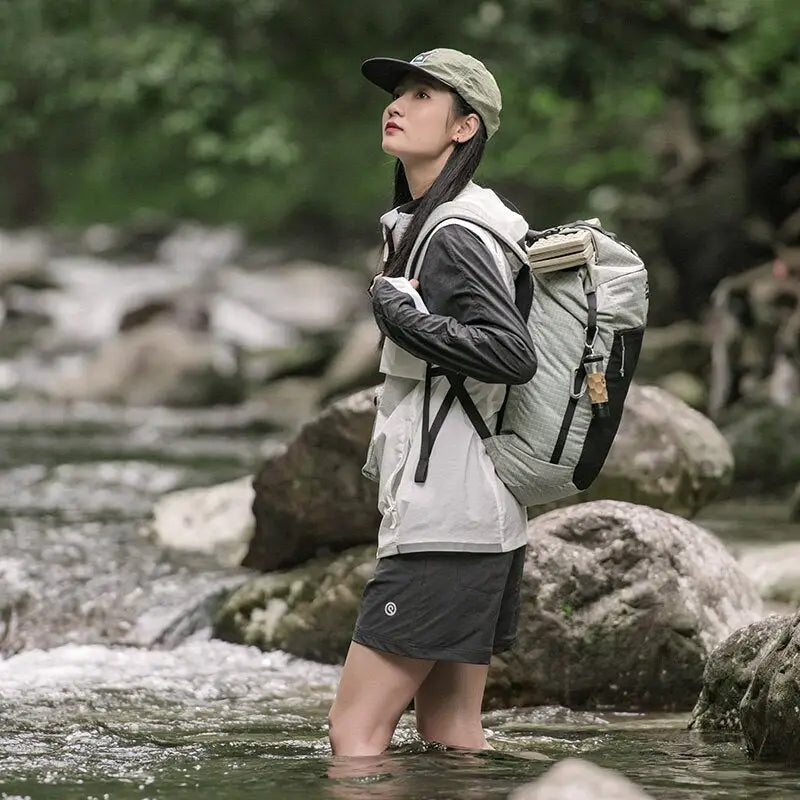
[{"x": 478, "y": 201}]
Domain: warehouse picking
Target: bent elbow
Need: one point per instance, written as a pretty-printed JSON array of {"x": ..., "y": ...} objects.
[{"x": 525, "y": 372}]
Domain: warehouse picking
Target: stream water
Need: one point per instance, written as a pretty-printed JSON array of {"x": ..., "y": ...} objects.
[{"x": 103, "y": 695}]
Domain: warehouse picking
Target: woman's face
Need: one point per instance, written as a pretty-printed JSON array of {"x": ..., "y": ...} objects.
[{"x": 419, "y": 123}]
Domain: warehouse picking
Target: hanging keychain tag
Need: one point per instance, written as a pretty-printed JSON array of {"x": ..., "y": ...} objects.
[{"x": 596, "y": 384}]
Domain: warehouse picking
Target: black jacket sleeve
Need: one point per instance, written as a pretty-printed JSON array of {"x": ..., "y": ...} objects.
[{"x": 474, "y": 328}]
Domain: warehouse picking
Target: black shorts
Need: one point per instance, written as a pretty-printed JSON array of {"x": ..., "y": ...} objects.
[{"x": 444, "y": 606}]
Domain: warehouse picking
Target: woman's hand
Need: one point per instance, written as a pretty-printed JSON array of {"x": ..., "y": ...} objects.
[{"x": 414, "y": 283}]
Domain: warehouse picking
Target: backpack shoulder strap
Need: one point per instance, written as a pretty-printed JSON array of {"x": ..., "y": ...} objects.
[{"x": 456, "y": 212}]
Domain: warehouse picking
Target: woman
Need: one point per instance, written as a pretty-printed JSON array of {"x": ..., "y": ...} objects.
[{"x": 451, "y": 544}]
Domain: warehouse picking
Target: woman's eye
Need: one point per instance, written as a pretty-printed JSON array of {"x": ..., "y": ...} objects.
[{"x": 422, "y": 93}]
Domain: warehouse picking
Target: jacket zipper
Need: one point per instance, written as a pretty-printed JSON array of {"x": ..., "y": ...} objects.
[{"x": 622, "y": 361}]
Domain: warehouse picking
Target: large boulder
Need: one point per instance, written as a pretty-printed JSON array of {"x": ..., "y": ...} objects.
[
  {"x": 666, "y": 455},
  {"x": 620, "y": 606},
  {"x": 308, "y": 611},
  {"x": 769, "y": 708},
  {"x": 728, "y": 673},
  {"x": 310, "y": 496},
  {"x": 576, "y": 779},
  {"x": 765, "y": 442}
]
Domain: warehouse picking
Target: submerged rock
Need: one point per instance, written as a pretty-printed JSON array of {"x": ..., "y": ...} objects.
[
  {"x": 621, "y": 606},
  {"x": 182, "y": 610},
  {"x": 310, "y": 496},
  {"x": 577, "y": 779},
  {"x": 728, "y": 673},
  {"x": 770, "y": 709}
]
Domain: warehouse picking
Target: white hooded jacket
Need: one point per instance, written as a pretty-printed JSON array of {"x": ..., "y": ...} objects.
[{"x": 462, "y": 504}]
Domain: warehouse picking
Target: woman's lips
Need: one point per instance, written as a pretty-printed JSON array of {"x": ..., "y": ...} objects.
[{"x": 391, "y": 127}]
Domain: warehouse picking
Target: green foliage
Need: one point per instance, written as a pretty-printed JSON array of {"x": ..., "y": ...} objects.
[{"x": 254, "y": 110}]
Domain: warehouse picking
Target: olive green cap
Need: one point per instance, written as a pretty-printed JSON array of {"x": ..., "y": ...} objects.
[{"x": 461, "y": 72}]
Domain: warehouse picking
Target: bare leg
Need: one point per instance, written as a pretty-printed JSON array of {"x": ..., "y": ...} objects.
[
  {"x": 448, "y": 705},
  {"x": 374, "y": 690}
]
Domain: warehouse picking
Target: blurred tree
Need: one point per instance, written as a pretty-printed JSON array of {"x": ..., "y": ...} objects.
[{"x": 254, "y": 110}]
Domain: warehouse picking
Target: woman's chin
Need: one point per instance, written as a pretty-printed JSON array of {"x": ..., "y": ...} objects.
[{"x": 390, "y": 148}]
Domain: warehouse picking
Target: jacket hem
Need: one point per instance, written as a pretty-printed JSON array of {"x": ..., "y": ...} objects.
[{"x": 396, "y": 548}]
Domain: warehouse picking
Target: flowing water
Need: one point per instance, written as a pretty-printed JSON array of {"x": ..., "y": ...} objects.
[{"x": 111, "y": 688}]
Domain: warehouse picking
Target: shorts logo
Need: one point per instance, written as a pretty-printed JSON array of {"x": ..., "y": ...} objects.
[{"x": 390, "y": 609}]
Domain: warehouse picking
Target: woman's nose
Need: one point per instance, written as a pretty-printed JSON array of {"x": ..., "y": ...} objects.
[{"x": 395, "y": 107}]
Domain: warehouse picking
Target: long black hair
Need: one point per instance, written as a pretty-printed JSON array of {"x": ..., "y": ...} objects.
[{"x": 455, "y": 175}]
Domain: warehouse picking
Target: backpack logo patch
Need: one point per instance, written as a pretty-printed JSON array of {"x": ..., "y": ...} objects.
[{"x": 390, "y": 608}]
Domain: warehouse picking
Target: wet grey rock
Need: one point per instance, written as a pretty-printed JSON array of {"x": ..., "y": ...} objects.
[
  {"x": 728, "y": 673},
  {"x": 217, "y": 520},
  {"x": 310, "y": 496},
  {"x": 621, "y": 607},
  {"x": 577, "y": 779},
  {"x": 156, "y": 364},
  {"x": 770, "y": 709},
  {"x": 766, "y": 446},
  {"x": 181, "y": 611},
  {"x": 308, "y": 611}
]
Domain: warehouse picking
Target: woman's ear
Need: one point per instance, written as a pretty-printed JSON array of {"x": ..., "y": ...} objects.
[{"x": 467, "y": 128}]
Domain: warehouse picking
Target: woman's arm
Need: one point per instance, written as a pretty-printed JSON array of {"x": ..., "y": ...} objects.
[{"x": 474, "y": 328}]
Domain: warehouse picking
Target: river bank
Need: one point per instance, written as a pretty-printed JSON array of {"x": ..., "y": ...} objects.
[{"x": 83, "y": 714}]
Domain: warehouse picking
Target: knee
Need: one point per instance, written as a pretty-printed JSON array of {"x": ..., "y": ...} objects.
[{"x": 348, "y": 735}]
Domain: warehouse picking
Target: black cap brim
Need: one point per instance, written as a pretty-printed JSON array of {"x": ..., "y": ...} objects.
[{"x": 388, "y": 72}]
